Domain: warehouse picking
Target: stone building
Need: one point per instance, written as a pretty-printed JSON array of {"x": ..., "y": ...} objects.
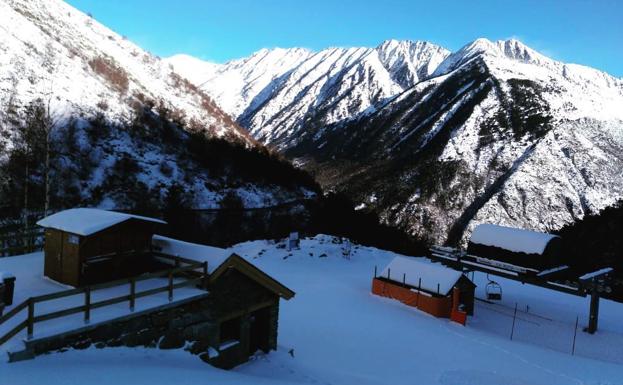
[{"x": 241, "y": 311}]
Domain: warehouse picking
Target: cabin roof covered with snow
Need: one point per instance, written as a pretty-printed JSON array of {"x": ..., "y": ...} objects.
[
  {"x": 215, "y": 256},
  {"x": 414, "y": 269},
  {"x": 511, "y": 239},
  {"x": 87, "y": 221}
]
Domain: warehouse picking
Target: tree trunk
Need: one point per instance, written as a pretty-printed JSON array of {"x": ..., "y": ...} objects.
[
  {"x": 46, "y": 205},
  {"x": 26, "y": 178}
]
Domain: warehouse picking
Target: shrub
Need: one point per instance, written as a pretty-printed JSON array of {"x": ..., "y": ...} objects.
[{"x": 115, "y": 75}]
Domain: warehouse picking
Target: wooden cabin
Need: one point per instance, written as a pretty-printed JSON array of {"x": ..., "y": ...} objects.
[
  {"x": 431, "y": 287},
  {"x": 243, "y": 303},
  {"x": 518, "y": 247},
  {"x": 85, "y": 246}
]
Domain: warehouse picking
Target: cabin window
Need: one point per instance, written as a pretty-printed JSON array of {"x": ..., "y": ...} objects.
[
  {"x": 73, "y": 239},
  {"x": 230, "y": 330}
]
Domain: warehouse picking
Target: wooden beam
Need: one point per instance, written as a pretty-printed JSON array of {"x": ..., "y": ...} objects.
[
  {"x": 593, "y": 316},
  {"x": 13, "y": 332},
  {"x": 13, "y": 311}
]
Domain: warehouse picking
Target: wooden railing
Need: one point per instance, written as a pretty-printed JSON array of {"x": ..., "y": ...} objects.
[
  {"x": 189, "y": 273},
  {"x": 21, "y": 242}
]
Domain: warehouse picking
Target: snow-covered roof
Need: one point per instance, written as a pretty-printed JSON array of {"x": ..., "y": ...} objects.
[
  {"x": 512, "y": 239},
  {"x": 215, "y": 256},
  {"x": 597, "y": 273},
  {"x": 5, "y": 275},
  {"x": 414, "y": 269},
  {"x": 86, "y": 221}
]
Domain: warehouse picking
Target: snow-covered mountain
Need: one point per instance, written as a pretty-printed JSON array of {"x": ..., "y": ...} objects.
[
  {"x": 436, "y": 142},
  {"x": 48, "y": 47},
  {"x": 110, "y": 102},
  {"x": 278, "y": 93}
]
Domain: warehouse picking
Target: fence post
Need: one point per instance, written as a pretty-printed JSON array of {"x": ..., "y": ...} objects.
[
  {"x": 389, "y": 273},
  {"x": 31, "y": 318},
  {"x": 514, "y": 316},
  {"x": 575, "y": 333},
  {"x": 87, "y": 304},
  {"x": 205, "y": 274},
  {"x": 374, "y": 271},
  {"x": 419, "y": 292},
  {"x": 404, "y": 279},
  {"x": 132, "y": 293},
  {"x": 170, "y": 286}
]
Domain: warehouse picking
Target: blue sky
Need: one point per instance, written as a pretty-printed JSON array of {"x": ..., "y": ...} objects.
[{"x": 578, "y": 31}]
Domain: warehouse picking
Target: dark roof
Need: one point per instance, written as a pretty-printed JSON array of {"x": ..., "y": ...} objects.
[{"x": 236, "y": 262}]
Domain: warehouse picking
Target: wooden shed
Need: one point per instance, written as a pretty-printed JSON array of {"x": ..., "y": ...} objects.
[
  {"x": 243, "y": 302},
  {"x": 84, "y": 246},
  {"x": 431, "y": 287},
  {"x": 518, "y": 247}
]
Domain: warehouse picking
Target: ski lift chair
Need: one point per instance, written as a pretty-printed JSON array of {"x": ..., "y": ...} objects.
[{"x": 493, "y": 290}]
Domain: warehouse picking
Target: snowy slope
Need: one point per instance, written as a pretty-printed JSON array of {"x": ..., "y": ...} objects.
[
  {"x": 237, "y": 84},
  {"x": 51, "y": 50},
  {"x": 110, "y": 102},
  {"x": 278, "y": 93},
  {"x": 340, "y": 333}
]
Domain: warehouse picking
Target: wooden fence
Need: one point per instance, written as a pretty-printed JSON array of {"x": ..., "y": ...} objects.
[{"x": 189, "y": 273}]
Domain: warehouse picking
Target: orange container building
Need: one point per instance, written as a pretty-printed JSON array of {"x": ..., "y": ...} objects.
[{"x": 430, "y": 287}]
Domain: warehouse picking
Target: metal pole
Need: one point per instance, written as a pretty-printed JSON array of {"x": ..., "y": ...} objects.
[
  {"x": 388, "y": 272},
  {"x": 374, "y": 271},
  {"x": 575, "y": 333},
  {"x": 404, "y": 279},
  {"x": 514, "y": 316},
  {"x": 419, "y": 292}
]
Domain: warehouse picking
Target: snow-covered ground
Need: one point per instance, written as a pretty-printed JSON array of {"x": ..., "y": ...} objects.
[{"x": 340, "y": 333}]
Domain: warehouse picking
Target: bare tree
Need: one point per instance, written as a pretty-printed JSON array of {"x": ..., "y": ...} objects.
[
  {"x": 48, "y": 125},
  {"x": 33, "y": 143},
  {"x": 48, "y": 122}
]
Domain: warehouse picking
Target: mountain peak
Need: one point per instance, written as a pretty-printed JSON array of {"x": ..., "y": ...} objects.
[
  {"x": 514, "y": 49},
  {"x": 511, "y": 49},
  {"x": 410, "y": 61}
]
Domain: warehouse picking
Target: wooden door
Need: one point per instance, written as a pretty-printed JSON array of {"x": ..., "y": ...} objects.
[
  {"x": 70, "y": 265},
  {"x": 259, "y": 332},
  {"x": 53, "y": 254}
]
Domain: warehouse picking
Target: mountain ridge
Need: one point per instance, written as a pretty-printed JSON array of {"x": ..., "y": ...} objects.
[{"x": 494, "y": 132}]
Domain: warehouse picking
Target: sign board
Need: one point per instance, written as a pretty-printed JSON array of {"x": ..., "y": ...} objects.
[
  {"x": 73, "y": 239},
  {"x": 293, "y": 241}
]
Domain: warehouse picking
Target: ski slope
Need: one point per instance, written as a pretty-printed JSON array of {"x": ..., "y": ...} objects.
[{"x": 339, "y": 333}]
